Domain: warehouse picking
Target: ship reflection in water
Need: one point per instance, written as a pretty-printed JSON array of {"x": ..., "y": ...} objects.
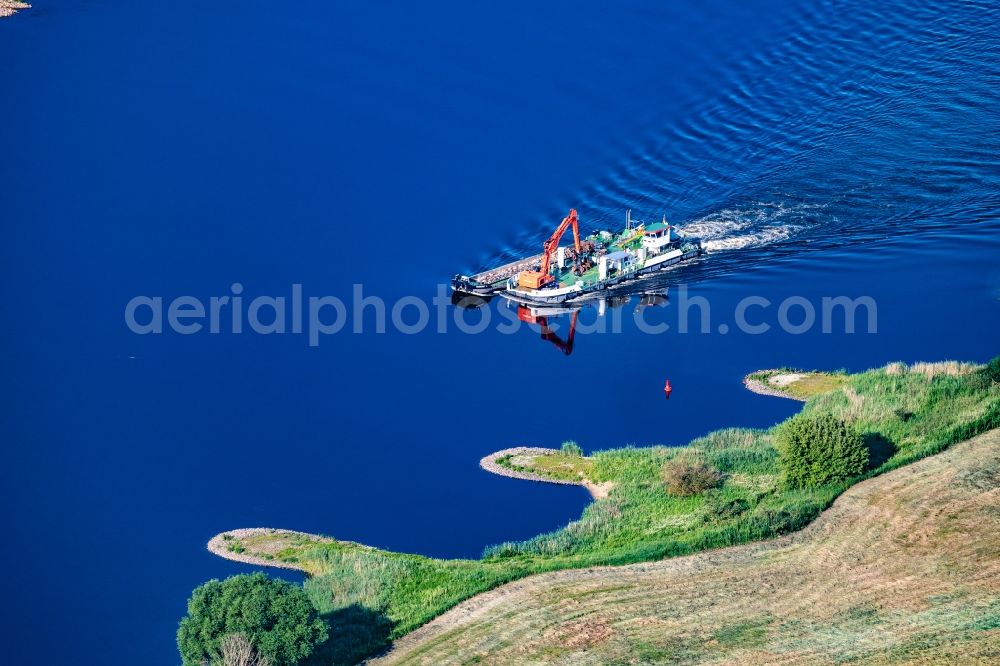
[
  {"x": 552, "y": 320},
  {"x": 534, "y": 316}
]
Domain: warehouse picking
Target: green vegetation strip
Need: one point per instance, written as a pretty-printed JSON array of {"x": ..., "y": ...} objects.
[
  {"x": 371, "y": 596},
  {"x": 901, "y": 569}
]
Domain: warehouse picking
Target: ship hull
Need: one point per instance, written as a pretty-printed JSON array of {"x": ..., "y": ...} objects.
[{"x": 465, "y": 285}]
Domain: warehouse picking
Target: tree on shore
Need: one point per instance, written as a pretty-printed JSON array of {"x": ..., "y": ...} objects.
[{"x": 273, "y": 617}]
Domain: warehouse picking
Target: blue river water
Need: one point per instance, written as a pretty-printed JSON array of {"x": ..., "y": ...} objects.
[{"x": 820, "y": 149}]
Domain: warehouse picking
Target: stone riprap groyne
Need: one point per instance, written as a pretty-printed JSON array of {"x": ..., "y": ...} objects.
[
  {"x": 11, "y": 7},
  {"x": 220, "y": 545},
  {"x": 760, "y": 387},
  {"x": 489, "y": 463}
]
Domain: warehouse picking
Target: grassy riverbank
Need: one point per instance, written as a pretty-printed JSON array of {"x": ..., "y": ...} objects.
[
  {"x": 905, "y": 414},
  {"x": 902, "y": 569}
]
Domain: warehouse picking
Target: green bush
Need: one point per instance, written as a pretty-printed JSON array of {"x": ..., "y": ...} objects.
[
  {"x": 684, "y": 476},
  {"x": 275, "y": 616},
  {"x": 819, "y": 450},
  {"x": 571, "y": 448}
]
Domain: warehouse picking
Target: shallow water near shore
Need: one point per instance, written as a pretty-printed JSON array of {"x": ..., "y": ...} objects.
[{"x": 821, "y": 151}]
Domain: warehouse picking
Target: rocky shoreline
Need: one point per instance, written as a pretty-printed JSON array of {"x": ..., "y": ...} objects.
[
  {"x": 11, "y": 7},
  {"x": 219, "y": 545},
  {"x": 760, "y": 387},
  {"x": 489, "y": 463}
]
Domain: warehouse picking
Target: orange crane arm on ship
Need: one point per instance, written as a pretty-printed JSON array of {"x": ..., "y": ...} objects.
[{"x": 541, "y": 277}]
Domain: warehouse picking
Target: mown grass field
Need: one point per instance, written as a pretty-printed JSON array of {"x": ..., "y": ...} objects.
[{"x": 372, "y": 596}]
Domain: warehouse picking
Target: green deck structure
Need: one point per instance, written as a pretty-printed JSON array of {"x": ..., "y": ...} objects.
[{"x": 567, "y": 278}]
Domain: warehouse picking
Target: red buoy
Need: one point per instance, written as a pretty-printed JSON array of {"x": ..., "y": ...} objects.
[{"x": 667, "y": 388}]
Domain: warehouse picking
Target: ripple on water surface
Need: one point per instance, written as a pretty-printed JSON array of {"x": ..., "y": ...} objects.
[{"x": 864, "y": 121}]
